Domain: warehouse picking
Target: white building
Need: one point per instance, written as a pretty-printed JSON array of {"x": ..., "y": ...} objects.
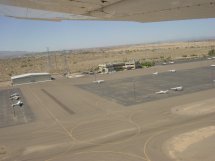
[
  {"x": 111, "y": 67},
  {"x": 106, "y": 68},
  {"x": 132, "y": 65},
  {"x": 30, "y": 78}
]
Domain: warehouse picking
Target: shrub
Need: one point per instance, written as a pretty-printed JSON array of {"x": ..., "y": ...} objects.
[
  {"x": 169, "y": 58},
  {"x": 23, "y": 65},
  {"x": 165, "y": 60},
  {"x": 148, "y": 64},
  {"x": 211, "y": 52},
  {"x": 11, "y": 73},
  {"x": 193, "y": 55}
]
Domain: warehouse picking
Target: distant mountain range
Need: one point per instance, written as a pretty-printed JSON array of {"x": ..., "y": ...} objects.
[
  {"x": 6, "y": 54},
  {"x": 13, "y": 54}
]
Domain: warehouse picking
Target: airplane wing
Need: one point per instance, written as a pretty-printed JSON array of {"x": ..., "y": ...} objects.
[{"x": 123, "y": 10}]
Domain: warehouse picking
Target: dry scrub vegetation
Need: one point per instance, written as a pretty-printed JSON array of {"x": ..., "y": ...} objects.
[{"x": 88, "y": 60}]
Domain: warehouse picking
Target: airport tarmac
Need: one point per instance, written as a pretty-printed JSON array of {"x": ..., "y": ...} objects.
[
  {"x": 140, "y": 89},
  {"x": 74, "y": 123},
  {"x": 11, "y": 116}
]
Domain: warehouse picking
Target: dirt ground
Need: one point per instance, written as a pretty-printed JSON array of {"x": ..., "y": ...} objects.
[
  {"x": 179, "y": 144},
  {"x": 79, "y": 61}
]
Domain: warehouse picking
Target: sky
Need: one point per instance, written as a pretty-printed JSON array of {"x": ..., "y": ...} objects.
[{"x": 29, "y": 35}]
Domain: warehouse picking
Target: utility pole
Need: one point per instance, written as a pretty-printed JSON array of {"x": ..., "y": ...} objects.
[
  {"x": 95, "y": 76},
  {"x": 134, "y": 90},
  {"x": 49, "y": 60},
  {"x": 55, "y": 62},
  {"x": 212, "y": 74},
  {"x": 65, "y": 63}
]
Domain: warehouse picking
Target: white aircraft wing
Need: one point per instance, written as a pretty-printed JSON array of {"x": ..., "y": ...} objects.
[{"x": 124, "y": 10}]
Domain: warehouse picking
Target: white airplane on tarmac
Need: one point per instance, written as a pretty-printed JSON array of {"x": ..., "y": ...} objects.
[
  {"x": 172, "y": 70},
  {"x": 98, "y": 81},
  {"x": 15, "y": 97},
  {"x": 14, "y": 94},
  {"x": 19, "y": 103},
  {"x": 179, "y": 88},
  {"x": 162, "y": 92},
  {"x": 155, "y": 73}
]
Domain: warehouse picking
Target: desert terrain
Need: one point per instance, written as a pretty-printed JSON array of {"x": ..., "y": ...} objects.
[{"x": 60, "y": 62}]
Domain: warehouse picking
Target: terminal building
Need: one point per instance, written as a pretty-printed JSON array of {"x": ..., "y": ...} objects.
[
  {"x": 132, "y": 65},
  {"x": 106, "y": 68},
  {"x": 112, "y": 67},
  {"x": 30, "y": 78}
]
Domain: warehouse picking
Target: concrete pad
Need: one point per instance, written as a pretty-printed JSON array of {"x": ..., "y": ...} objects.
[
  {"x": 140, "y": 89},
  {"x": 104, "y": 129},
  {"x": 10, "y": 116}
]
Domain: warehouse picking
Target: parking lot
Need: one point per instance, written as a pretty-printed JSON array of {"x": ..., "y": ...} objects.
[
  {"x": 10, "y": 116},
  {"x": 140, "y": 89}
]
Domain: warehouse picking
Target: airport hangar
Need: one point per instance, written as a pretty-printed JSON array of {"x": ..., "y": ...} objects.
[{"x": 30, "y": 78}]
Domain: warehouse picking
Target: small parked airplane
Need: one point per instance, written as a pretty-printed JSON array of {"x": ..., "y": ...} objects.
[
  {"x": 15, "y": 97},
  {"x": 172, "y": 70},
  {"x": 162, "y": 92},
  {"x": 179, "y": 88},
  {"x": 98, "y": 81},
  {"x": 155, "y": 73},
  {"x": 14, "y": 94},
  {"x": 19, "y": 103}
]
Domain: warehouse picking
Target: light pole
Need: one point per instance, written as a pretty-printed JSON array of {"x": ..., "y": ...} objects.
[
  {"x": 66, "y": 68},
  {"x": 49, "y": 60},
  {"x": 134, "y": 90},
  {"x": 212, "y": 74}
]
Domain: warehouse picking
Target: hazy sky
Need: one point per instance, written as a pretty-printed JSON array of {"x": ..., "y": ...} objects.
[{"x": 28, "y": 35}]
